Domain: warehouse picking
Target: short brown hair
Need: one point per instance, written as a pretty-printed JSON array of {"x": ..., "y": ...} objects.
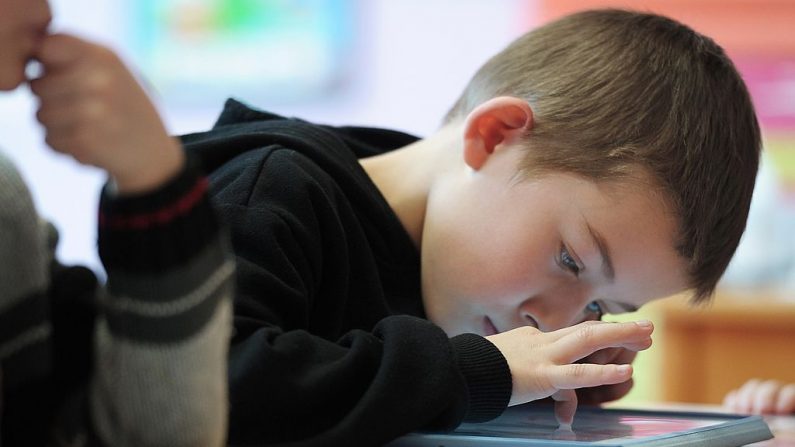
[{"x": 614, "y": 90}]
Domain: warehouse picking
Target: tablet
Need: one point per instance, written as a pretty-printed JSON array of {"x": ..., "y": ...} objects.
[{"x": 535, "y": 425}]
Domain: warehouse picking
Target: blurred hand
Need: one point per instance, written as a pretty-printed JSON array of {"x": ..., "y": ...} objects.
[
  {"x": 543, "y": 364},
  {"x": 94, "y": 110},
  {"x": 762, "y": 397},
  {"x": 607, "y": 393}
]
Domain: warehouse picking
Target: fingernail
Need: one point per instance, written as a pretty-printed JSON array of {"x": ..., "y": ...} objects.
[
  {"x": 643, "y": 323},
  {"x": 624, "y": 369}
]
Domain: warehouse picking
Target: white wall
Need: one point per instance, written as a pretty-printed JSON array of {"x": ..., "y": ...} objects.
[{"x": 414, "y": 58}]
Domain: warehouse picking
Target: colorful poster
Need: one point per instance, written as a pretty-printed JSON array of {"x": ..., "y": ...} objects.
[{"x": 195, "y": 51}]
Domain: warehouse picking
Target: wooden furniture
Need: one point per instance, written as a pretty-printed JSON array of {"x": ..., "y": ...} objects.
[{"x": 709, "y": 351}]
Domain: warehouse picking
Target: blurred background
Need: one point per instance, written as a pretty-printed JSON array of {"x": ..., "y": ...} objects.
[{"x": 401, "y": 64}]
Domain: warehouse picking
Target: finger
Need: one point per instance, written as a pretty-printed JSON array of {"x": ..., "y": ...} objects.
[
  {"x": 764, "y": 400},
  {"x": 730, "y": 401},
  {"x": 58, "y": 84},
  {"x": 58, "y": 115},
  {"x": 59, "y": 50},
  {"x": 564, "y": 433},
  {"x": 745, "y": 396},
  {"x": 590, "y": 338},
  {"x": 565, "y": 407},
  {"x": 562, "y": 332},
  {"x": 580, "y": 375},
  {"x": 80, "y": 109},
  {"x": 786, "y": 400}
]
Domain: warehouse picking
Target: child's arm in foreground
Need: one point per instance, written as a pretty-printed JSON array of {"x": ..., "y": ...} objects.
[
  {"x": 162, "y": 335},
  {"x": 762, "y": 397}
]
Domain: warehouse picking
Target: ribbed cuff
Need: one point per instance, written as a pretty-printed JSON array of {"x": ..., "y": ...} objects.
[
  {"x": 487, "y": 375},
  {"x": 156, "y": 231}
]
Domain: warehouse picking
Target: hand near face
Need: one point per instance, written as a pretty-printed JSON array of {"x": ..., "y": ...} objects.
[
  {"x": 762, "y": 397},
  {"x": 543, "y": 364},
  {"x": 94, "y": 110}
]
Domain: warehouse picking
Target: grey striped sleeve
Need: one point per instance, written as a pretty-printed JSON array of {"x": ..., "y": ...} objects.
[{"x": 161, "y": 354}]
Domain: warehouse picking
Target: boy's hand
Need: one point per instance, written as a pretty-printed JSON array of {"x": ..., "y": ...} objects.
[
  {"x": 543, "y": 363},
  {"x": 94, "y": 110}
]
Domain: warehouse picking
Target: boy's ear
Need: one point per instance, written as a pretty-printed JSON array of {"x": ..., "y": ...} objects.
[{"x": 492, "y": 123}]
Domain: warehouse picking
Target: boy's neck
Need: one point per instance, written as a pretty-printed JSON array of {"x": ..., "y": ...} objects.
[{"x": 406, "y": 176}]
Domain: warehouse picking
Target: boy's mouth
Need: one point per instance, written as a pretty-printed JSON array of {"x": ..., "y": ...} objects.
[{"x": 488, "y": 327}]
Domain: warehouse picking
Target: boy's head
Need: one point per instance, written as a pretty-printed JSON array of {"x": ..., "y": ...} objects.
[
  {"x": 21, "y": 24},
  {"x": 637, "y": 107},
  {"x": 613, "y": 90}
]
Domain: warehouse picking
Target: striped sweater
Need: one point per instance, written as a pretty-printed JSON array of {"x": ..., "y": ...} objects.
[{"x": 161, "y": 341}]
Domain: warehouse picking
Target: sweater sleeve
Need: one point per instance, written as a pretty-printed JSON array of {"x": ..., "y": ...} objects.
[
  {"x": 487, "y": 376},
  {"x": 161, "y": 340},
  {"x": 312, "y": 377}
]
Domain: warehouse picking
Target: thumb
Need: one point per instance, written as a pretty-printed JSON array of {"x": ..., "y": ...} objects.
[
  {"x": 565, "y": 406},
  {"x": 59, "y": 50}
]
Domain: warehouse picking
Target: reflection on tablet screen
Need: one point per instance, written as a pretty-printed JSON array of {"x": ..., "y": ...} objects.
[{"x": 589, "y": 425}]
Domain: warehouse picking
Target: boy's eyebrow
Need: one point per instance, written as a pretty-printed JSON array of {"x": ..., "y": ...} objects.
[{"x": 604, "y": 250}]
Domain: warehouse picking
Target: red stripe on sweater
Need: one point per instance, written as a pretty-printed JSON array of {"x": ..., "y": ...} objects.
[{"x": 160, "y": 217}]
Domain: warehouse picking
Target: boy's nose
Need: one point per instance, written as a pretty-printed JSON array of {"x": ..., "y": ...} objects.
[{"x": 555, "y": 311}]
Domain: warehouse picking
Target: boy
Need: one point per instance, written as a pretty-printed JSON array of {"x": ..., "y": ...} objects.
[
  {"x": 595, "y": 164},
  {"x": 387, "y": 284},
  {"x": 162, "y": 328}
]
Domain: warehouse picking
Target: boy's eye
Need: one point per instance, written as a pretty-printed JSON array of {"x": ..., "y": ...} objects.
[
  {"x": 568, "y": 262},
  {"x": 594, "y": 308}
]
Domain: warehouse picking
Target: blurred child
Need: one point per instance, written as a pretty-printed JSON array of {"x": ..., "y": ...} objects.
[
  {"x": 25, "y": 253},
  {"x": 162, "y": 326}
]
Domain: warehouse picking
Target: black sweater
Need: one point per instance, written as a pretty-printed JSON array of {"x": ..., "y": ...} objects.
[{"x": 331, "y": 346}]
